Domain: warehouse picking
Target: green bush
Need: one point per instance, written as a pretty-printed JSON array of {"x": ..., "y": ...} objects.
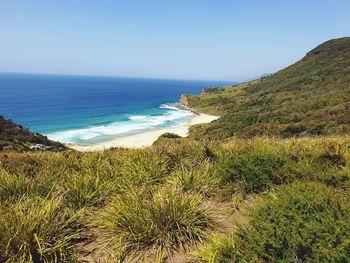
[
  {"x": 170, "y": 135},
  {"x": 252, "y": 172},
  {"x": 303, "y": 222},
  {"x": 300, "y": 222}
]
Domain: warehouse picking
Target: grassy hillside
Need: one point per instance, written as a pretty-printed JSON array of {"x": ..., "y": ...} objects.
[
  {"x": 243, "y": 199},
  {"x": 251, "y": 200},
  {"x": 311, "y": 97},
  {"x": 17, "y": 138}
]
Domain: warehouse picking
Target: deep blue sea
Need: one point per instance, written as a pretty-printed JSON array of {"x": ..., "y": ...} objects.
[{"x": 83, "y": 109}]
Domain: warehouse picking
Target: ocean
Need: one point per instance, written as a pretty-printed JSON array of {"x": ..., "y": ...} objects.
[{"x": 89, "y": 110}]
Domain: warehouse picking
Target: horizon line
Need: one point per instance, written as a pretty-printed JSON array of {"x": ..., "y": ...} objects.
[{"x": 126, "y": 77}]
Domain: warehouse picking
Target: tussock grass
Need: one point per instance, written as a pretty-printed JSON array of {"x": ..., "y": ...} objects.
[
  {"x": 161, "y": 222},
  {"x": 200, "y": 178},
  {"x": 13, "y": 186},
  {"x": 87, "y": 189},
  {"x": 37, "y": 230},
  {"x": 146, "y": 167},
  {"x": 145, "y": 204},
  {"x": 220, "y": 248}
]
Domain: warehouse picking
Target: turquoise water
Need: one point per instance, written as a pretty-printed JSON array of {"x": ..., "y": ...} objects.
[{"x": 82, "y": 109}]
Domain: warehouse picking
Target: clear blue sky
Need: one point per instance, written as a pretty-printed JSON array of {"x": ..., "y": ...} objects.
[{"x": 185, "y": 39}]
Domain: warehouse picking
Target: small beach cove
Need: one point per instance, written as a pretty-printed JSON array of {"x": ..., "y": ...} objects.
[
  {"x": 95, "y": 111},
  {"x": 146, "y": 138}
]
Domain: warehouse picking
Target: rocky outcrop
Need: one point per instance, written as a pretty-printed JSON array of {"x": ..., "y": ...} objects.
[
  {"x": 184, "y": 104},
  {"x": 184, "y": 100}
]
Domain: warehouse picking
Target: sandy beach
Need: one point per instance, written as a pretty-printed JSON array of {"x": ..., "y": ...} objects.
[{"x": 146, "y": 138}]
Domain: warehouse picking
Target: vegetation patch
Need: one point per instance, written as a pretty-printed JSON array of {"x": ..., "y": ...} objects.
[
  {"x": 252, "y": 173},
  {"x": 300, "y": 222},
  {"x": 308, "y": 98},
  {"x": 146, "y": 204},
  {"x": 306, "y": 222},
  {"x": 220, "y": 248},
  {"x": 159, "y": 223},
  {"x": 37, "y": 230},
  {"x": 14, "y": 137}
]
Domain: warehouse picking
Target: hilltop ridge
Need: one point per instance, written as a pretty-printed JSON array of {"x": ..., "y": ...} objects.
[{"x": 308, "y": 98}]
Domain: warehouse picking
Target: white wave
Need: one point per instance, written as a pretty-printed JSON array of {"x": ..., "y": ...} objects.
[
  {"x": 174, "y": 116},
  {"x": 138, "y": 117},
  {"x": 169, "y": 106}
]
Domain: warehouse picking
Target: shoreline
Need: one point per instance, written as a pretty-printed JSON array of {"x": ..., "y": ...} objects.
[{"x": 146, "y": 138}]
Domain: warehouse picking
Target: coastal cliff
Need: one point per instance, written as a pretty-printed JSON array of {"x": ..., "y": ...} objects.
[{"x": 184, "y": 103}]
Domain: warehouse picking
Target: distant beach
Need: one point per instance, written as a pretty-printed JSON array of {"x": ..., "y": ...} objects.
[
  {"x": 99, "y": 111},
  {"x": 146, "y": 138}
]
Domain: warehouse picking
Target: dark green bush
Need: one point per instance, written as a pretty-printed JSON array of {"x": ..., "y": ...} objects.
[
  {"x": 303, "y": 222},
  {"x": 252, "y": 172},
  {"x": 169, "y": 135},
  {"x": 292, "y": 130},
  {"x": 333, "y": 159}
]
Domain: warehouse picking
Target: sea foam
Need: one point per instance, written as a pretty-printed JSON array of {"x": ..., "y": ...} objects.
[{"x": 173, "y": 116}]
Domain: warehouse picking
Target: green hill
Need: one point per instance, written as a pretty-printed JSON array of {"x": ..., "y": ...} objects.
[
  {"x": 15, "y": 137},
  {"x": 311, "y": 97}
]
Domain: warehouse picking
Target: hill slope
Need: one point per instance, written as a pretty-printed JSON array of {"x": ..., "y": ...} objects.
[
  {"x": 311, "y": 97},
  {"x": 160, "y": 203},
  {"x": 15, "y": 137},
  {"x": 183, "y": 200}
]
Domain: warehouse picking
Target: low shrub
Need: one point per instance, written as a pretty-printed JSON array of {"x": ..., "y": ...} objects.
[
  {"x": 252, "y": 172},
  {"x": 303, "y": 222},
  {"x": 170, "y": 135},
  {"x": 300, "y": 222}
]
